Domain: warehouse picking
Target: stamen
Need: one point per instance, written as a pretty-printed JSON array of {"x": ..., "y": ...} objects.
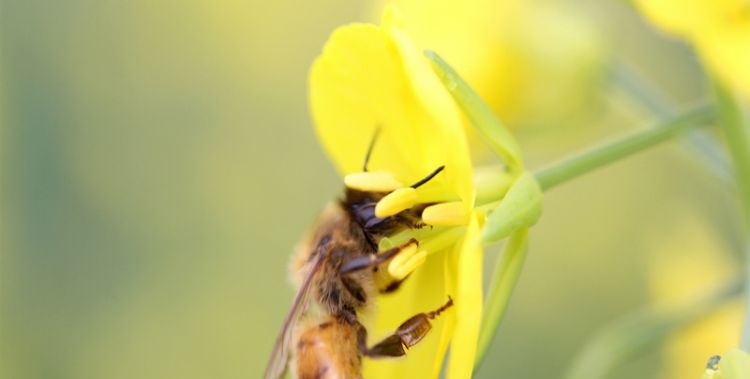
[
  {"x": 446, "y": 214},
  {"x": 396, "y": 201},
  {"x": 406, "y": 262},
  {"x": 442, "y": 240},
  {"x": 403, "y": 255},
  {"x": 378, "y": 181}
]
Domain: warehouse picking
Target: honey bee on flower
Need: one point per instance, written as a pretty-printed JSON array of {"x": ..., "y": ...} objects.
[{"x": 405, "y": 233}]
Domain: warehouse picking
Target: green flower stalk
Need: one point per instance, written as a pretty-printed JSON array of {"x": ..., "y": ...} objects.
[
  {"x": 521, "y": 205},
  {"x": 519, "y": 200},
  {"x": 479, "y": 113},
  {"x": 600, "y": 156}
]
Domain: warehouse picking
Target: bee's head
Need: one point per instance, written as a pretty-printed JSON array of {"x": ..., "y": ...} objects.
[
  {"x": 363, "y": 206},
  {"x": 379, "y": 202}
]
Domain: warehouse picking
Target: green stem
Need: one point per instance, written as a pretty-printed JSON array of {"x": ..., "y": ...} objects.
[
  {"x": 509, "y": 264},
  {"x": 738, "y": 141},
  {"x": 504, "y": 278},
  {"x": 649, "y": 98},
  {"x": 610, "y": 152},
  {"x": 627, "y": 79}
]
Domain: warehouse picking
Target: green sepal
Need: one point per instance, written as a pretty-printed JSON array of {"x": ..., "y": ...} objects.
[
  {"x": 504, "y": 278},
  {"x": 479, "y": 113},
  {"x": 491, "y": 184},
  {"x": 521, "y": 207}
]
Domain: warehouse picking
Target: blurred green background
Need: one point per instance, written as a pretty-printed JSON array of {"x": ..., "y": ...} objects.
[{"x": 158, "y": 165}]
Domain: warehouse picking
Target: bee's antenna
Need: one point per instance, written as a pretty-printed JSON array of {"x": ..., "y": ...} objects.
[
  {"x": 369, "y": 148},
  {"x": 428, "y": 177}
]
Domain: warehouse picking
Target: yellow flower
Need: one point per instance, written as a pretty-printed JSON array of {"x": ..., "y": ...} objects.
[
  {"x": 527, "y": 73},
  {"x": 371, "y": 80},
  {"x": 719, "y": 29}
]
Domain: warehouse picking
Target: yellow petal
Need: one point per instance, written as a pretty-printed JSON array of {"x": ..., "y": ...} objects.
[
  {"x": 720, "y": 29},
  {"x": 371, "y": 78},
  {"x": 688, "y": 17},
  {"x": 528, "y": 74},
  {"x": 423, "y": 291},
  {"x": 357, "y": 86},
  {"x": 726, "y": 50},
  {"x": 443, "y": 112},
  {"x": 466, "y": 283}
]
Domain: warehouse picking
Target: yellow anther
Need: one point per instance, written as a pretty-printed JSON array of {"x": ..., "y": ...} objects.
[
  {"x": 377, "y": 181},
  {"x": 396, "y": 201},
  {"x": 446, "y": 214},
  {"x": 406, "y": 262},
  {"x": 403, "y": 255}
]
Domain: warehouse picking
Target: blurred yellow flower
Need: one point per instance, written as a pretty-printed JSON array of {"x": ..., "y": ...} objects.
[
  {"x": 719, "y": 29},
  {"x": 678, "y": 273},
  {"x": 533, "y": 62},
  {"x": 371, "y": 80}
]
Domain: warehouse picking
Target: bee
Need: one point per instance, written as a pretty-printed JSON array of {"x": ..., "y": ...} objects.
[{"x": 336, "y": 269}]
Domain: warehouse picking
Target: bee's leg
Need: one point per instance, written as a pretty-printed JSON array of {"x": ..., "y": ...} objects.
[
  {"x": 372, "y": 260},
  {"x": 406, "y": 335},
  {"x": 409, "y": 220}
]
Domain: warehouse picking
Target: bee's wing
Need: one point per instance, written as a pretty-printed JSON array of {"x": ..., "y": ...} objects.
[{"x": 280, "y": 353}]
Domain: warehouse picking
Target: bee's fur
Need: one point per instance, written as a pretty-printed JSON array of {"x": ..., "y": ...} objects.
[
  {"x": 338, "y": 239},
  {"x": 328, "y": 342}
]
